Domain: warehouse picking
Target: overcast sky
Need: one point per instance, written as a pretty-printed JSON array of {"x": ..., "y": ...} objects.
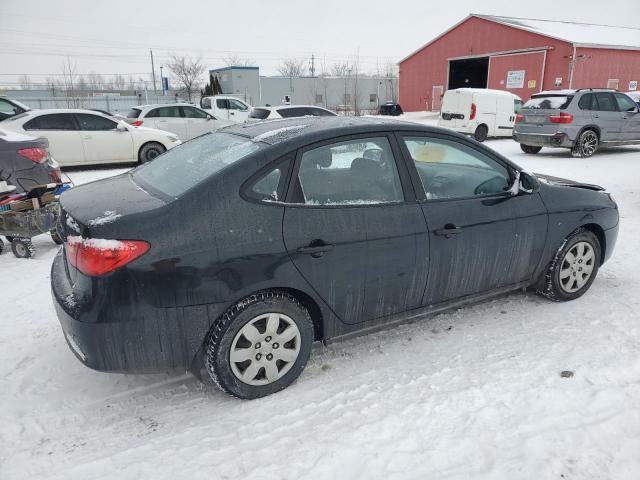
[{"x": 115, "y": 36}]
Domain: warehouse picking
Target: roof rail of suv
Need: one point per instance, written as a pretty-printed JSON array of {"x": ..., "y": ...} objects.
[{"x": 597, "y": 88}]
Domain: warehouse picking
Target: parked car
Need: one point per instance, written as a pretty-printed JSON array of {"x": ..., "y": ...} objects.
[
  {"x": 181, "y": 119},
  {"x": 240, "y": 248},
  {"x": 226, "y": 107},
  {"x": 390, "y": 108},
  {"x": 84, "y": 137},
  {"x": 25, "y": 161},
  {"x": 288, "y": 111},
  {"x": 581, "y": 120},
  {"x": 10, "y": 108},
  {"x": 480, "y": 112}
]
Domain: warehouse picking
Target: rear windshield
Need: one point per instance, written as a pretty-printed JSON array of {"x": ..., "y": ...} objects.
[
  {"x": 183, "y": 167},
  {"x": 259, "y": 113},
  {"x": 549, "y": 102},
  {"x": 134, "y": 113}
]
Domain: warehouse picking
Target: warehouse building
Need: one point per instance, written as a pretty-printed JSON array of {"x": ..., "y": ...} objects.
[{"x": 521, "y": 55}]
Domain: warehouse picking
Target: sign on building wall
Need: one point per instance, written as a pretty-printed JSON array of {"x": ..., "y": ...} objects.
[
  {"x": 558, "y": 81},
  {"x": 515, "y": 79},
  {"x": 531, "y": 84},
  {"x": 633, "y": 85}
]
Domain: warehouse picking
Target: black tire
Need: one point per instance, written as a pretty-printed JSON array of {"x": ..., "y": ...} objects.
[
  {"x": 149, "y": 151},
  {"x": 586, "y": 145},
  {"x": 1, "y": 246},
  {"x": 218, "y": 345},
  {"x": 529, "y": 148},
  {"x": 22, "y": 247},
  {"x": 481, "y": 133},
  {"x": 55, "y": 237},
  {"x": 552, "y": 286}
]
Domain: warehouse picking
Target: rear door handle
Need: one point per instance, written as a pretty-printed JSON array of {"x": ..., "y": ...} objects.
[
  {"x": 448, "y": 231},
  {"x": 315, "y": 250}
]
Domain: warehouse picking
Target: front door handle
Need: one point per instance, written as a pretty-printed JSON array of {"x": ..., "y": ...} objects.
[
  {"x": 315, "y": 249},
  {"x": 596, "y": 116},
  {"x": 448, "y": 231}
]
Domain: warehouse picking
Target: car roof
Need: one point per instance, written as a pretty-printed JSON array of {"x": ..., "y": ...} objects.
[
  {"x": 489, "y": 91},
  {"x": 281, "y": 107},
  {"x": 304, "y": 130},
  {"x": 45, "y": 111},
  {"x": 155, "y": 105}
]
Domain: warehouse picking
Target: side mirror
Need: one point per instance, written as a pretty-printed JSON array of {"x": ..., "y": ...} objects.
[
  {"x": 209, "y": 117},
  {"x": 120, "y": 127},
  {"x": 528, "y": 183}
]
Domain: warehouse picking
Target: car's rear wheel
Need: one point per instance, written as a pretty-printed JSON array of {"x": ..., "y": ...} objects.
[
  {"x": 260, "y": 345},
  {"x": 586, "y": 145},
  {"x": 149, "y": 151},
  {"x": 574, "y": 267},
  {"x": 481, "y": 133},
  {"x": 529, "y": 148}
]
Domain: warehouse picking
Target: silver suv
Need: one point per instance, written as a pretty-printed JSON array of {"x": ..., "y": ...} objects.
[{"x": 582, "y": 120}]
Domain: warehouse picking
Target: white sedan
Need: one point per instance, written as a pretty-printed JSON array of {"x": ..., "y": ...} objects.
[
  {"x": 85, "y": 137},
  {"x": 183, "y": 119}
]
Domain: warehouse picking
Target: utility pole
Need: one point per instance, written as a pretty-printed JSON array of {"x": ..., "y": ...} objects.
[
  {"x": 313, "y": 65},
  {"x": 153, "y": 73}
]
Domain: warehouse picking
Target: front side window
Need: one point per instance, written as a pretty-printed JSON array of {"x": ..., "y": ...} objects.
[
  {"x": 625, "y": 104},
  {"x": 451, "y": 170},
  {"x": 291, "y": 112},
  {"x": 236, "y": 105},
  {"x": 192, "y": 112},
  {"x": 9, "y": 108},
  {"x": 185, "y": 166},
  {"x": 94, "y": 122},
  {"x": 345, "y": 174},
  {"x": 54, "y": 121}
]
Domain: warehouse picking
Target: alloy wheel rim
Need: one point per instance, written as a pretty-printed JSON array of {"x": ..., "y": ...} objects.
[
  {"x": 589, "y": 144},
  {"x": 21, "y": 249},
  {"x": 577, "y": 267},
  {"x": 265, "y": 349}
]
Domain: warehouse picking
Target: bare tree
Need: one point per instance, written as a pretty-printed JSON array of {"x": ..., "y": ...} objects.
[
  {"x": 51, "y": 85},
  {"x": 131, "y": 83},
  {"x": 82, "y": 84},
  {"x": 187, "y": 72},
  {"x": 118, "y": 82},
  {"x": 25, "y": 82},
  {"x": 340, "y": 69},
  {"x": 238, "y": 61},
  {"x": 292, "y": 67},
  {"x": 95, "y": 81},
  {"x": 68, "y": 75}
]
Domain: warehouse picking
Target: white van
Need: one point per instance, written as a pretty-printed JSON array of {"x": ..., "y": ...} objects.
[{"x": 480, "y": 112}]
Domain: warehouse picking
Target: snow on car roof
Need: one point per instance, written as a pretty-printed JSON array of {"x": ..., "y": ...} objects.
[{"x": 580, "y": 34}]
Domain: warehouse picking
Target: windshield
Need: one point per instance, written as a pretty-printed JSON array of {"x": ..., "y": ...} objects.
[
  {"x": 549, "y": 102},
  {"x": 133, "y": 113},
  {"x": 183, "y": 167}
]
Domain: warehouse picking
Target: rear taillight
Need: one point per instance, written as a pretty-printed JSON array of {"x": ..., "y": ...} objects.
[
  {"x": 137, "y": 123},
  {"x": 562, "y": 118},
  {"x": 472, "y": 114},
  {"x": 519, "y": 118},
  {"x": 95, "y": 257},
  {"x": 55, "y": 175},
  {"x": 36, "y": 155}
]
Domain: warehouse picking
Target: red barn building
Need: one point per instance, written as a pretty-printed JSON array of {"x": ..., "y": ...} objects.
[{"x": 521, "y": 55}]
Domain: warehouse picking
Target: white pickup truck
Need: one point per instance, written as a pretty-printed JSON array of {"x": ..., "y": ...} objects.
[{"x": 226, "y": 107}]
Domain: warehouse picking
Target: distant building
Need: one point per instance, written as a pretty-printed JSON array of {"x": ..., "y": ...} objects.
[
  {"x": 336, "y": 93},
  {"x": 521, "y": 55}
]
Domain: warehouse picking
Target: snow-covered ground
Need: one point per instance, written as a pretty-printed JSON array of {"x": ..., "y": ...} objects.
[{"x": 471, "y": 394}]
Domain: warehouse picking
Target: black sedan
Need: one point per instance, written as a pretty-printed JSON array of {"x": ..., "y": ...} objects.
[{"x": 239, "y": 249}]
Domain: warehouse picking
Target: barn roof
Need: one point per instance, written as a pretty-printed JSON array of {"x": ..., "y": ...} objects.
[{"x": 578, "y": 34}]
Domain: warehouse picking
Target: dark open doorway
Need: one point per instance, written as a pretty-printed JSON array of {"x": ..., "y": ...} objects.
[{"x": 471, "y": 73}]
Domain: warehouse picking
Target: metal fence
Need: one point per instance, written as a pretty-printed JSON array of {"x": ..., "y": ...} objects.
[{"x": 109, "y": 103}]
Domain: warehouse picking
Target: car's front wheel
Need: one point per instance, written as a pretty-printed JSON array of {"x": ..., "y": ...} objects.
[
  {"x": 586, "y": 144},
  {"x": 529, "y": 148},
  {"x": 260, "y": 345},
  {"x": 574, "y": 267},
  {"x": 149, "y": 151}
]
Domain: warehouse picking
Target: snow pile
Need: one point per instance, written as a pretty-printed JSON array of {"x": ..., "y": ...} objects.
[
  {"x": 109, "y": 216},
  {"x": 279, "y": 135}
]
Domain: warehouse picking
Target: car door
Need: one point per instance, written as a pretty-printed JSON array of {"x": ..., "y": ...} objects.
[
  {"x": 478, "y": 242},
  {"x": 238, "y": 111},
  {"x": 222, "y": 108},
  {"x": 103, "y": 142},
  {"x": 607, "y": 117},
  {"x": 352, "y": 233},
  {"x": 198, "y": 122},
  {"x": 65, "y": 141},
  {"x": 630, "y": 119},
  {"x": 170, "y": 119}
]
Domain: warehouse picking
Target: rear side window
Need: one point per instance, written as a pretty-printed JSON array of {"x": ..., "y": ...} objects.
[
  {"x": 94, "y": 122},
  {"x": 164, "y": 112},
  {"x": 292, "y": 112},
  {"x": 588, "y": 102},
  {"x": 549, "y": 102},
  {"x": 205, "y": 102},
  {"x": 54, "y": 121},
  {"x": 183, "y": 167},
  {"x": 606, "y": 102},
  {"x": 270, "y": 186},
  {"x": 221, "y": 103},
  {"x": 133, "y": 113},
  {"x": 259, "y": 113}
]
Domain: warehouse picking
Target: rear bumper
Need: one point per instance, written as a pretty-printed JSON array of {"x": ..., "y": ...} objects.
[
  {"x": 557, "y": 139},
  {"x": 136, "y": 338}
]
